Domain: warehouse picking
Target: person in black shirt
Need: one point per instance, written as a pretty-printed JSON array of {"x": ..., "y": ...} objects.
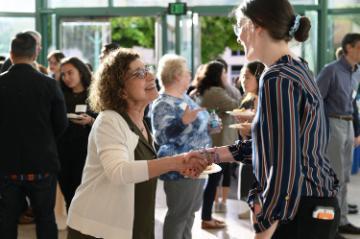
[
  {"x": 72, "y": 146},
  {"x": 32, "y": 117}
]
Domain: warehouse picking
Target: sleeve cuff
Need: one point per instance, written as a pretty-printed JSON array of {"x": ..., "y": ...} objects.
[
  {"x": 242, "y": 151},
  {"x": 262, "y": 226}
]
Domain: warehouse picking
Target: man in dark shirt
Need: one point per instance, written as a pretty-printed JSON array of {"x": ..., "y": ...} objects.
[
  {"x": 32, "y": 116},
  {"x": 338, "y": 87}
]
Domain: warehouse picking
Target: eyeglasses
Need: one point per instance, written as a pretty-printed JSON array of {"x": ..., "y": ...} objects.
[
  {"x": 236, "y": 29},
  {"x": 142, "y": 72}
]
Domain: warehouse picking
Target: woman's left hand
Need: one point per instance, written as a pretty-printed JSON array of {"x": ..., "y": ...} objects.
[{"x": 84, "y": 120}]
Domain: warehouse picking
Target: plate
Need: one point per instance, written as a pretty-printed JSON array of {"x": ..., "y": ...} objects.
[
  {"x": 239, "y": 126},
  {"x": 247, "y": 113},
  {"x": 213, "y": 168},
  {"x": 74, "y": 116}
]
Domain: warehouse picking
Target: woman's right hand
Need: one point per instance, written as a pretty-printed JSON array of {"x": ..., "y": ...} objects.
[
  {"x": 192, "y": 164},
  {"x": 190, "y": 115}
]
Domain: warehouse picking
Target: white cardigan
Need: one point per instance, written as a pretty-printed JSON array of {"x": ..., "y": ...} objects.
[{"x": 103, "y": 205}]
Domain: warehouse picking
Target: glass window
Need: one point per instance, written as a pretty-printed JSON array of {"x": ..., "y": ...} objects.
[
  {"x": 9, "y": 27},
  {"x": 231, "y": 2},
  {"x": 311, "y": 45},
  {"x": 344, "y": 3},
  {"x": 84, "y": 39},
  {"x": 212, "y": 2},
  {"x": 142, "y": 3},
  {"x": 77, "y": 3},
  {"x": 340, "y": 25},
  {"x": 18, "y": 6}
]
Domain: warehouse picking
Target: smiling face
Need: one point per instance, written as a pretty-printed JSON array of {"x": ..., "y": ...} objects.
[
  {"x": 248, "y": 82},
  {"x": 140, "y": 86}
]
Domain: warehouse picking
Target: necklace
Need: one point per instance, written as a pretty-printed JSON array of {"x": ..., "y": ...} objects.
[
  {"x": 140, "y": 126},
  {"x": 142, "y": 129},
  {"x": 139, "y": 123}
]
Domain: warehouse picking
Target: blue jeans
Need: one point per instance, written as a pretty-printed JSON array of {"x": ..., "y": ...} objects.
[{"x": 42, "y": 195}]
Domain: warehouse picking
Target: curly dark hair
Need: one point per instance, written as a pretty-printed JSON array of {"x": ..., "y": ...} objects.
[
  {"x": 85, "y": 74},
  {"x": 106, "y": 90},
  {"x": 212, "y": 76}
]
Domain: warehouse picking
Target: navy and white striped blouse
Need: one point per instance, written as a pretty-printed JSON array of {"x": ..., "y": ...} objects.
[{"x": 289, "y": 143}]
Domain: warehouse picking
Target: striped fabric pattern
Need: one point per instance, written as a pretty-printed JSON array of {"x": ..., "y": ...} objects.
[{"x": 289, "y": 142}]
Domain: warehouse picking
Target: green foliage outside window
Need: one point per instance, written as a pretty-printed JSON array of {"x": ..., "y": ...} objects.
[
  {"x": 216, "y": 34},
  {"x": 133, "y": 31}
]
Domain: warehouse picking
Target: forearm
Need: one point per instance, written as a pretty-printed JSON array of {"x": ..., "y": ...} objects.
[
  {"x": 164, "y": 165},
  {"x": 241, "y": 151},
  {"x": 224, "y": 154}
]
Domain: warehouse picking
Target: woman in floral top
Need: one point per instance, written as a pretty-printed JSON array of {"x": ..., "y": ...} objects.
[{"x": 179, "y": 125}]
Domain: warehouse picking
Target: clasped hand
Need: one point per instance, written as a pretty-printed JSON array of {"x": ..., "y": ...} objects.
[{"x": 193, "y": 164}]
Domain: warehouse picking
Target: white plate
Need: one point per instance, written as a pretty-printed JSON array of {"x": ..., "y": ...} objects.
[
  {"x": 239, "y": 126},
  {"x": 248, "y": 113},
  {"x": 74, "y": 116},
  {"x": 213, "y": 168}
]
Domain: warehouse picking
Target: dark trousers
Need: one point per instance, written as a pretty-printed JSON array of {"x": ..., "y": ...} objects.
[
  {"x": 247, "y": 180},
  {"x": 210, "y": 190},
  {"x": 69, "y": 180},
  {"x": 42, "y": 198},
  {"x": 304, "y": 226}
]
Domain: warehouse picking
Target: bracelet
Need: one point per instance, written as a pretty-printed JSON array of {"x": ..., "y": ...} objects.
[
  {"x": 213, "y": 156},
  {"x": 216, "y": 156}
]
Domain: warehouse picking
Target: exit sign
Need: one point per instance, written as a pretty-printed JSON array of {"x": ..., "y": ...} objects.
[{"x": 177, "y": 8}]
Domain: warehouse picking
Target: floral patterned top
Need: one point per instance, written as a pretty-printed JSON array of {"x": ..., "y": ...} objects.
[{"x": 171, "y": 134}]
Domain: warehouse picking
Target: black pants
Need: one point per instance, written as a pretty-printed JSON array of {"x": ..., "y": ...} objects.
[
  {"x": 247, "y": 181},
  {"x": 69, "y": 180},
  {"x": 210, "y": 190},
  {"x": 304, "y": 226},
  {"x": 42, "y": 197}
]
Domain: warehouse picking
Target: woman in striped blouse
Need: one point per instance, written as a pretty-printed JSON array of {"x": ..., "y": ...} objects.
[{"x": 294, "y": 196}]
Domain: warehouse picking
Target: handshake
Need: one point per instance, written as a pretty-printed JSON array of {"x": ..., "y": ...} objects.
[{"x": 192, "y": 164}]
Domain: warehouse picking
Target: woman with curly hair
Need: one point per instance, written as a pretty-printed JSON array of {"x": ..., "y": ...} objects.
[{"x": 116, "y": 198}]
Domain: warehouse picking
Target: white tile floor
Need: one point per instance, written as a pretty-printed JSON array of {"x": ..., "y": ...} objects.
[{"x": 236, "y": 229}]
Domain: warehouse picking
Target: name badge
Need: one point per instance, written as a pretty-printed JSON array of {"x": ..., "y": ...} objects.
[{"x": 80, "y": 108}]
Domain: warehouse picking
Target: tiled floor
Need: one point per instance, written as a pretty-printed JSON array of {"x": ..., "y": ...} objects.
[{"x": 236, "y": 229}]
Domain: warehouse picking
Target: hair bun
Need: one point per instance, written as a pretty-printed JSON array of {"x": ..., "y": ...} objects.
[{"x": 302, "y": 34}]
